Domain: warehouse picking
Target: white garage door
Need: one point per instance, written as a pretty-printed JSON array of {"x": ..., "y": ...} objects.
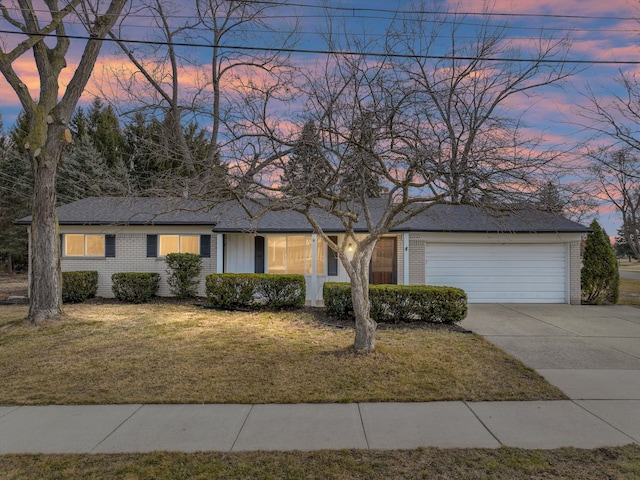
[{"x": 500, "y": 273}]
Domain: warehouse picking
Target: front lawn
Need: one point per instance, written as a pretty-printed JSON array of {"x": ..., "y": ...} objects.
[{"x": 169, "y": 353}]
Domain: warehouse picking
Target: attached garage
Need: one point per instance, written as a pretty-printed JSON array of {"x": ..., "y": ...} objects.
[{"x": 501, "y": 273}]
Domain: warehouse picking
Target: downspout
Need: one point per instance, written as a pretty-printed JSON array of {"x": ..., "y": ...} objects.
[
  {"x": 405, "y": 259},
  {"x": 314, "y": 269}
]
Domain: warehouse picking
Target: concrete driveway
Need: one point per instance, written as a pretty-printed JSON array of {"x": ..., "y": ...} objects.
[{"x": 590, "y": 352}]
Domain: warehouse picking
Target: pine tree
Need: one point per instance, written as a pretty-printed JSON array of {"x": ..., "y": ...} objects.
[
  {"x": 599, "y": 278},
  {"x": 360, "y": 177},
  {"x": 549, "y": 199},
  {"x": 104, "y": 129},
  {"x": 85, "y": 172},
  {"x": 307, "y": 170},
  {"x": 16, "y": 181}
]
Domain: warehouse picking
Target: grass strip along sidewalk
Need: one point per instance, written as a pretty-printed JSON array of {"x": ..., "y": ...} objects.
[{"x": 621, "y": 463}]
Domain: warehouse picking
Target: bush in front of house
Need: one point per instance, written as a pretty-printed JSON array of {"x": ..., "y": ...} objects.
[
  {"x": 599, "y": 278},
  {"x": 230, "y": 290},
  {"x": 183, "y": 273},
  {"x": 282, "y": 291},
  {"x": 400, "y": 303},
  {"x": 255, "y": 290},
  {"x": 135, "y": 287},
  {"x": 79, "y": 286}
]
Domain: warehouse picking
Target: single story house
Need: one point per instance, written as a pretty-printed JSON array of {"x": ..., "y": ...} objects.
[{"x": 496, "y": 256}]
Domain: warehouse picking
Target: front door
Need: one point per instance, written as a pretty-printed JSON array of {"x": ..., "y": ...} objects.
[{"x": 383, "y": 268}]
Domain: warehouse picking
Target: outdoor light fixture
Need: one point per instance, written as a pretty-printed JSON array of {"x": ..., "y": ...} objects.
[{"x": 349, "y": 248}]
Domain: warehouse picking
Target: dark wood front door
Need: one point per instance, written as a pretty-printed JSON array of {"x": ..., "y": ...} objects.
[{"x": 383, "y": 268}]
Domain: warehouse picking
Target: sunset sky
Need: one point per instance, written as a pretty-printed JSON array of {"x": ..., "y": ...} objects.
[{"x": 599, "y": 31}]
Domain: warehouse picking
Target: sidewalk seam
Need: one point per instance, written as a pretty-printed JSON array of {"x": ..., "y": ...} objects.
[
  {"x": 364, "y": 430},
  {"x": 635, "y": 440},
  {"x": 466, "y": 404},
  {"x": 244, "y": 422},
  {"x": 119, "y": 425}
]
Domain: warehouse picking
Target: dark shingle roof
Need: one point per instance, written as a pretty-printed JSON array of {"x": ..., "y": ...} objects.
[{"x": 230, "y": 217}]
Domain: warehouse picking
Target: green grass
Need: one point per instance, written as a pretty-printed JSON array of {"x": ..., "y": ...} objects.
[
  {"x": 167, "y": 353},
  {"x": 620, "y": 463}
]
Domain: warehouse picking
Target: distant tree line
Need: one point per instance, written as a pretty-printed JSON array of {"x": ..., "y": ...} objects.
[{"x": 106, "y": 157}]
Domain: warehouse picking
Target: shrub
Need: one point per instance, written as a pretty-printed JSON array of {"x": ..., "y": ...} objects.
[
  {"x": 281, "y": 291},
  {"x": 599, "y": 278},
  {"x": 400, "y": 303},
  {"x": 135, "y": 287},
  {"x": 79, "y": 286},
  {"x": 184, "y": 270},
  {"x": 230, "y": 290},
  {"x": 337, "y": 300},
  {"x": 249, "y": 290}
]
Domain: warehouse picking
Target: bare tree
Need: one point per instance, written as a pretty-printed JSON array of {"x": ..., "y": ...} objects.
[
  {"x": 618, "y": 175},
  {"x": 171, "y": 80},
  {"x": 48, "y": 116},
  {"x": 435, "y": 130},
  {"x": 614, "y": 151}
]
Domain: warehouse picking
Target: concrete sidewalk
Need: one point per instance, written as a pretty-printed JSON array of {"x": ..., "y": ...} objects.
[
  {"x": 232, "y": 428},
  {"x": 591, "y": 353}
]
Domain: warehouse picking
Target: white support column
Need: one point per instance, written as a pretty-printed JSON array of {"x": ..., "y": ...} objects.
[
  {"x": 405, "y": 259},
  {"x": 219, "y": 253},
  {"x": 314, "y": 269}
]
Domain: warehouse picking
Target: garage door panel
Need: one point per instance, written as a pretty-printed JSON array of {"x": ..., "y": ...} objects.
[
  {"x": 512, "y": 285},
  {"x": 506, "y": 271},
  {"x": 525, "y": 273}
]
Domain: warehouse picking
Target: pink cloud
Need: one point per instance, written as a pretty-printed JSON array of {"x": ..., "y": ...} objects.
[{"x": 565, "y": 7}]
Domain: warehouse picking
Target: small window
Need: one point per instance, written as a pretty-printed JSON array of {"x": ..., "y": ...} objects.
[
  {"x": 81, "y": 245},
  {"x": 179, "y": 244}
]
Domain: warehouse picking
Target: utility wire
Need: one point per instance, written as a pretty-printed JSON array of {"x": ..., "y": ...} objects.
[
  {"x": 335, "y": 52},
  {"x": 395, "y": 12}
]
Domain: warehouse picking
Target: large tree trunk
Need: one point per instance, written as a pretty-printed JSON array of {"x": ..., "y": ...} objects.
[
  {"x": 365, "y": 327},
  {"x": 45, "y": 276}
]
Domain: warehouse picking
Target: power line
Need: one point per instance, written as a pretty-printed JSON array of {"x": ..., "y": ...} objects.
[
  {"x": 395, "y": 12},
  {"x": 335, "y": 52},
  {"x": 436, "y": 12},
  {"x": 407, "y": 14}
]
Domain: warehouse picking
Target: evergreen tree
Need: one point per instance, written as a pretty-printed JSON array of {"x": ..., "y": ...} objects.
[
  {"x": 307, "y": 169},
  {"x": 85, "y": 172},
  {"x": 15, "y": 195},
  {"x": 550, "y": 200},
  {"x": 599, "y": 278},
  {"x": 104, "y": 129},
  {"x": 360, "y": 171}
]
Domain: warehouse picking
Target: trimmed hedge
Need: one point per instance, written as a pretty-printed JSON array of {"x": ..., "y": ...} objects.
[
  {"x": 184, "y": 270},
  {"x": 255, "y": 290},
  {"x": 400, "y": 303},
  {"x": 133, "y": 287},
  {"x": 79, "y": 286}
]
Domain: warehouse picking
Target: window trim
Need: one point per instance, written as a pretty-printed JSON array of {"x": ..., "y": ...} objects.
[
  {"x": 321, "y": 258},
  {"x": 153, "y": 244},
  {"x": 65, "y": 241}
]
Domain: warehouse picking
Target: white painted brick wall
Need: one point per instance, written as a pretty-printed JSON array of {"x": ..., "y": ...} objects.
[{"x": 131, "y": 256}]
